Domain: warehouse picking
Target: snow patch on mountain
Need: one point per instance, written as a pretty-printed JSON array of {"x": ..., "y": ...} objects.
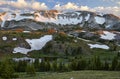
[
  {"x": 99, "y": 20},
  {"x": 36, "y": 44},
  {"x": 14, "y": 39},
  {"x": 13, "y": 16},
  {"x": 98, "y": 46},
  {"x": 107, "y": 26},
  {"x": 107, "y": 35},
  {"x": 4, "y": 38},
  {"x": 87, "y": 17},
  {"x": 21, "y": 50},
  {"x": 65, "y": 21}
]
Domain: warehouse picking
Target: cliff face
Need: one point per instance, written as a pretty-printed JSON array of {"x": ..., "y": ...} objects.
[{"x": 53, "y": 18}]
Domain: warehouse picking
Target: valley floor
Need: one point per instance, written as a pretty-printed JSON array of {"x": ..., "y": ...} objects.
[{"x": 74, "y": 75}]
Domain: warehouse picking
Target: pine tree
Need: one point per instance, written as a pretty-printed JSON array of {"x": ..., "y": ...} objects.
[
  {"x": 36, "y": 64},
  {"x": 42, "y": 67},
  {"x": 48, "y": 66},
  {"x": 98, "y": 63},
  {"x": 30, "y": 70},
  {"x": 81, "y": 65},
  {"x": 6, "y": 70},
  {"x": 106, "y": 66},
  {"x": 21, "y": 66},
  {"x": 118, "y": 67},
  {"x": 114, "y": 63},
  {"x": 54, "y": 66},
  {"x": 73, "y": 65}
]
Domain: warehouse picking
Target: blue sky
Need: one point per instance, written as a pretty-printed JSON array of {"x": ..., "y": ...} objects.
[
  {"x": 90, "y": 3},
  {"x": 104, "y": 6}
]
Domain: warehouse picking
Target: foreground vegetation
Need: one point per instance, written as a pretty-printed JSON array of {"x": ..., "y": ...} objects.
[
  {"x": 74, "y": 75},
  {"x": 9, "y": 68}
]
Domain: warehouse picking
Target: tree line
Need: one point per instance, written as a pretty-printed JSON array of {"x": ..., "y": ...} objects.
[{"x": 8, "y": 68}]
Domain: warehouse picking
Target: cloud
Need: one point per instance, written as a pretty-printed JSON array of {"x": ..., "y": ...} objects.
[
  {"x": 101, "y": 9},
  {"x": 84, "y": 8},
  {"x": 19, "y": 4},
  {"x": 118, "y": 3},
  {"x": 25, "y": 4},
  {"x": 34, "y": 5},
  {"x": 37, "y": 5},
  {"x": 68, "y": 6},
  {"x": 108, "y": 10}
]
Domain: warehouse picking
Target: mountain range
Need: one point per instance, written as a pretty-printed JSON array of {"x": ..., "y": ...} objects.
[{"x": 57, "y": 19}]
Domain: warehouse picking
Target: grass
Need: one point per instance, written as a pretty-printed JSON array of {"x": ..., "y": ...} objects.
[{"x": 74, "y": 75}]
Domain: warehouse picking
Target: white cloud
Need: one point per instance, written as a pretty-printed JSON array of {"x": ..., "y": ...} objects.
[
  {"x": 29, "y": 4},
  {"x": 19, "y": 3},
  {"x": 113, "y": 10},
  {"x": 84, "y": 8},
  {"x": 37, "y": 5},
  {"x": 25, "y": 4},
  {"x": 67, "y": 6},
  {"x": 72, "y": 6},
  {"x": 118, "y": 3}
]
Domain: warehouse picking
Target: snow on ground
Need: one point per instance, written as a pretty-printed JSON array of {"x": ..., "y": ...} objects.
[
  {"x": 26, "y": 31},
  {"x": 3, "y": 23},
  {"x": 99, "y": 20},
  {"x": 36, "y": 44},
  {"x": 107, "y": 26},
  {"x": 58, "y": 20},
  {"x": 21, "y": 50},
  {"x": 98, "y": 46},
  {"x": 31, "y": 60},
  {"x": 108, "y": 35},
  {"x": 19, "y": 17},
  {"x": 64, "y": 21},
  {"x": 41, "y": 18},
  {"x": 4, "y": 38},
  {"x": 9, "y": 16},
  {"x": 87, "y": 17},
  {"x": 14, "y": 39}
]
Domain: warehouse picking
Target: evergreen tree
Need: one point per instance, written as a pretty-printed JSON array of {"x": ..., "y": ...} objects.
[
  {"x": 21, "y": 66},
  {"x": 81, "y": 65},
  {"x": 98, "y": 63},
  {"x": 60, "y": 67},
  {"x": 94, "y": 63},
  {"x": 118, "y": 67},
  {"x": 73, "y": 65},
  {"x": 36, "y": 64},
  {"x": 48, "y": 66},
  {"x": 6, "y": 70},
  {"x": 42, "y": 67},
  {"x": 106, "y": 66},
  {"x": 114, "y": 63},
  {"x": 30, "y": 70},
  {"x": 118, "y": 54},
  {"x": 54, "y": 66}
]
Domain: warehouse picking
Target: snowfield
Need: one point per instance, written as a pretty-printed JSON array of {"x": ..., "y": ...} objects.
[
  {"x": 9, "y": 16},
  {"x": 14, "y": 39},
  {"x": 60, "y": 20},
  {"x": 108, "y": 35},
  {"x": 4, "y": 38},
  {"x": 36, "y": 44},
  {"x": 99, "y": 20},
  {"x": 98, "y": 46},
  {"x": 87, "y": 17},
  {"x": 31, "y": 60}
]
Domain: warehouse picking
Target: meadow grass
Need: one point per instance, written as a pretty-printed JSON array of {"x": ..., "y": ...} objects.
[{"x": 74, "y": 75}]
